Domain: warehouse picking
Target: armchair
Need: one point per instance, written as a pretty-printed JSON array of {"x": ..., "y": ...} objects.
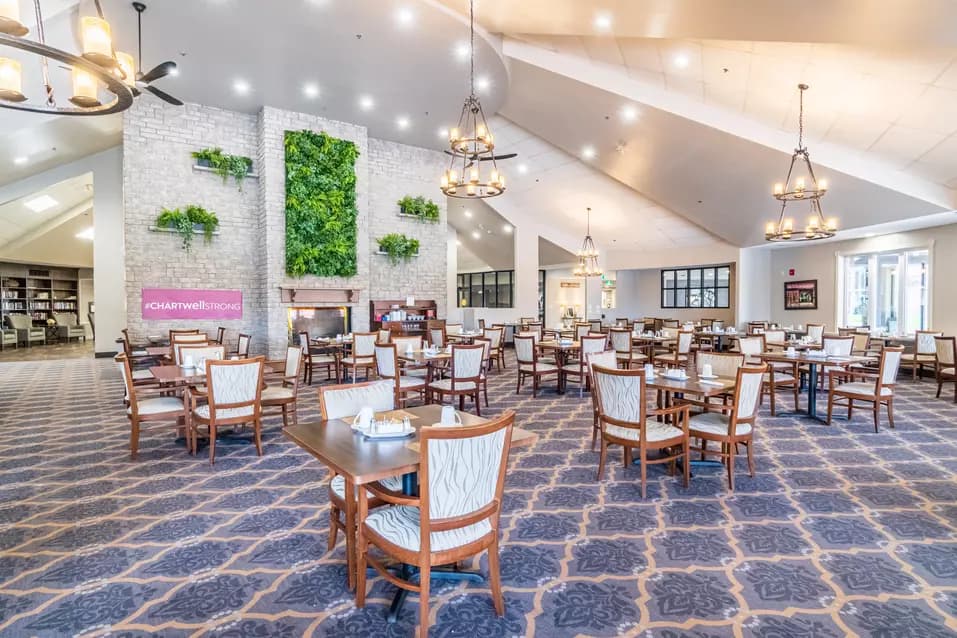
[
  {"x": 68, "y": 326},
  {"x": 8, "y": 336},
  {"x": 26, "y": 332}
]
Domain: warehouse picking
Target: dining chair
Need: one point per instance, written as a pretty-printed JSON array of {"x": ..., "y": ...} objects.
[
  {"x": 344, "y": 402},
  {"x": 362, "y": 356},
  {"x": 147, "y": 404},
  {"x": 717, "y": 324},
  {"x": 314, "y": 358},
  {"x": 437, "y": 336},
  {"x": 670, "y": 323},
  {"x": 706, "y": 323},
  {"x": 173, "y": 333},
  {"x": 199, "y": 353},
  {"x": 590, "y": 344},
  {"x": 723, "y": 364},
  {"x": 620, "y": 341},
  {"x": 131, "y": 351},
  {"x": 387, "y": 367},
  {"x": 455, "y": 516},
  {"x": 581, "y": 329},
  {"x": 604, "y": 359},
  {"x": 383, "y": 336},
  {"x": 815, "y": 331},
  {"x": 733, "y": 424},
  {"x": 453, "y": 329},
  {"x": 678, "y": 357},
  {"x": 834, "y": 346},
  {"x": 623, "y": 420},
  {"x": 775, "y": 338},
  {"x": 285, "y": 393},
  {"x": 534, "y": 328},
  {"x": 671, "y": 336},
  {"x": 402, "y": 345},
  {"x": 925, "y": 352},
  {"x": 233, "y": 397},
  {"x": 595, "y": 325},
  {"x": 481, "y": 324},
  {"x": 185, "y": 340},
  {"x": 946, "y": 369},
  {"x": 464, "y": 380},
  {"x": 757, "y": 325},
  {"x": 495, "y": 335},
  {"x": 874, "y": 389},
  {"x": 242, "y": 346},
  {"x": 529, "y": 363},
  {"x": 140, "y": 377},
  {"x": 220, "y": 336},
  {"x": 486, "y": 363}
]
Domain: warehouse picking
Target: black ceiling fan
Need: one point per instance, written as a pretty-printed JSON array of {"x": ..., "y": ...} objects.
[
  {"x": 474, "y": 156},
  {"x": 144, "y": 80}
]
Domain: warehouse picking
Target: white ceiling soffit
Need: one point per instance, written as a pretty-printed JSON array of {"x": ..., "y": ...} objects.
[
  {"x": 684, "y": 159},
  {"x": 551, "y": 255},
  {"x": 18, "y": 223},
  {"x": 482, "y": 235},
  {"x": 880, "y": 22}
]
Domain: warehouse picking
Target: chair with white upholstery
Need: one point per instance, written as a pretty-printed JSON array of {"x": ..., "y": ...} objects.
[
  {"x": 437, "y": 336},
  {"x": 533, "y": 328},
  {"x": 384, "y": 336},
  {"x": 581, "y": 329},
  {"x": 387, "y": 367},
  {"x": 946, "y": 368},
  {"x": 220, "y": 337},
  {"x": 284, "y": 393},
  {"x": 678, "y": 358},
  {"x": 628, "y": 356},
  {"x": 199, "y": 353},
  {"x": 362, "y": 356},
  {"x": 149, "y": 404},
  {"x": 876, "y": 389},
  {"x": 464, "y": 380},
  {"x": 529, "y": 364},
  {"x": 175, "y": 332},
  {"x": 453, "y": 329},
  {"x": 835, "y": 347},
  {"x": 343, "y": 402},
  {"x": 816, "y": 332},
  {"x": 604, "y": 359},
  {"x": 403, "y": 345},
  {"x": 590, "y": 344},
  {"x": 242, "y": 346},
  {"x": 595, "y": 325},
  {"x": 732, "y": 425},
  {"x": 925, "y": 352},
  {"x": 191, "y": 339},
  {"x": 775, "y": 339},
  {"x": 623, "y": 419},
  {"x": 723, "y": 364},
  {"x": 752, "y": 347},
  {"x": 8, "y": 337},
  {"x": 233, "y": 397},
  {"x": 316, "y": 358},
  {"x": 486, "y": 363},
  {"x": 496, "y": 336},
  {"x": 454, "y": 517}
]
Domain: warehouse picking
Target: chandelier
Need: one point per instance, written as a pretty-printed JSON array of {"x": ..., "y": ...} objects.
[
  {"x": 98, "y": 64},
  {"x": 472, "y": 144},
  {"x": 588, "y": 255},
  {"x": 799, "y": 190}
]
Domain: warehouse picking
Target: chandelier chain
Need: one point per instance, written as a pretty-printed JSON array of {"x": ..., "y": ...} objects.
[
  {"x": 801, "y": 118},
  {"x": 472, "y": 48}
]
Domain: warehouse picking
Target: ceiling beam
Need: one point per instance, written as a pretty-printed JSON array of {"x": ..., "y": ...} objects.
[{"x": 85, "y": 206}]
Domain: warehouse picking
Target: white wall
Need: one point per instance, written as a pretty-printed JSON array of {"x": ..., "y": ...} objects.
[
  {"x": 639, "y": 295},
  {"x": 754, "y": 289}
]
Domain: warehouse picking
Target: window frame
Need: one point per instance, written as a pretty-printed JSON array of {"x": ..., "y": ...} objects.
[
  {"x": 682, "y": 292},
  {"x": 468, "y": 285}
]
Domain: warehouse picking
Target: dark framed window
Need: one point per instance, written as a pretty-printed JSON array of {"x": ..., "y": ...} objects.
[
  {"x": 541, "y": 296},
  {"x": 485, "y": 289},
  {"x": 704, "y": 287}
]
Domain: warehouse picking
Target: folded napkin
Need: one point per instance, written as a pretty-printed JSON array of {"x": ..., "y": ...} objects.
[
  {"x": 390, "y": 427},
  {"x": 710, "y": 382}
]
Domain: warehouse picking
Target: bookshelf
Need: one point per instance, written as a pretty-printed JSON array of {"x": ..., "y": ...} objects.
[
  {"x": 38, "y": 291},
  {"x": 414, "y": 323}
]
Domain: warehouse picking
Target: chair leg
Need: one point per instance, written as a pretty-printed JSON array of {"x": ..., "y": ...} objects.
[
  {"x": 257, "y": 435},
  {"x": 601, "y": 459},
  {"x": 424, "y": 576},
  {"x": 773, "y": 405},
  {"x": 135, "y": 438},
  {"x": 830, "y": 407},
  {"x": 350, "y": 532},
  {"x": 627, "y": 454},
  {"x": 704, "y": 448},
  {"x": 731, "y": 451},
  {"x": 940, "y": 384},
  {"x": 333, "y": 526},
  {"x": 361, "y": 548},
  {"x": 747, "y": 446},
  {"x": 212, "y": 444},
  {"x": 850, "y": 408},
  {"x": 285, "y": 417},
  {"x": 876, "y": 411},
  {"x": 478, "y": 403},
  {"x": 686, "y": 461},
  {"x": 890, "y": 411},
  {"x": 518, "y": 383},
  {"x": 643, "y": 459},
  {"x": 495, "y": 579}
]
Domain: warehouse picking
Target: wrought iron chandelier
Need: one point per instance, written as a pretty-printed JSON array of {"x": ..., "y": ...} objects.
[
  {"x": 472, "y": 144},
  {"x": 98, "y": 65},
  {"x": 817, "y": 227},
  {"x": 588, "y": 255}
]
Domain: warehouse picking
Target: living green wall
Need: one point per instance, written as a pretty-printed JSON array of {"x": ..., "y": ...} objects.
[{"x": 320, "y": 205}]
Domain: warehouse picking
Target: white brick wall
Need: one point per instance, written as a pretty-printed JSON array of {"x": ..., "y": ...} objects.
[{"x": 249, "y": 253}]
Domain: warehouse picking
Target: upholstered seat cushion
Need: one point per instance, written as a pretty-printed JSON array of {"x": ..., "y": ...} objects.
[
  {"x": 779, "y": 377},
  {"x": 654, "y": 431},
  {"x": 446, "y": 384},
  {"x": 400, "y": 526},
  {"x": 715, "y": 423},
  {"x": 277, "y": 393},
  {"x": 338, "y": 486},
  {"x": 926, "y": 358},
  {"x": 947, "y": 370},
  {"x": 140, "y": 353},
  {"x": 416, "y": 372},
  {"x": 411, "y": 383},
  {"x": 361, "y": 361},
  {"x": 225, "y": 413},
  {"x": 863, "y": 387},
  {"x": 635, "y": 356},
  {"x": 158, "y": 405},
  {"x": 323, "y": 359},
  {"x": 574, "y": 368},
  {"x": 541, "y": 367},
  {"x": 669, "y": 358},
  {"x": 142, "y": 375}
]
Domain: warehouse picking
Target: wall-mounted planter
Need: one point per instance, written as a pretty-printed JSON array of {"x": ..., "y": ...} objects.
[
  {"x": 197, "y": 230},
  {"x": 204, "y": 167},
  {"x": 385, "y": 254}
]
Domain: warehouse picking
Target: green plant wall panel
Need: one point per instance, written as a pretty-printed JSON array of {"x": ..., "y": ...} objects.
[{"x": 320, "y": 205}]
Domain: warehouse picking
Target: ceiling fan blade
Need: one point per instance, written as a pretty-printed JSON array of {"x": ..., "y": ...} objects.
[
  {"x": 498, "y": 157},
  {"x": 166, "y": 97},
  {"x": 158, "y": 71}
]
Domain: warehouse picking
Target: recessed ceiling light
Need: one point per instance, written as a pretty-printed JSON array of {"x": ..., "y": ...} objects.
[
  {"x": 476, "y": 234},
  {"x": 629, "y": 113},
  {"x": 444, "y": 133},
  {"x": 311, "y": 90},
  {"x": 507, "y": 228},
  {"x": 462, "y": 51},
  {"x": 603, "y": 21},
  {"x": 85, "y": 234},
  {"x": 523, "y": 168},
  {"x": 19, "y": 161},
  {"x": 40, "y": 204},
  {"x": 682, "y": 61},
  {"x": 405, "y": 17},
  {"x": 366, "y": 103},
  {"x": 458, "y": 242},
  {"x": 402, "y": 122},
  {"x": 468, "y": 214},
  {"x": 241, "y": 87},
  {"x": 482, "y": 83},
  {"x": 588, "y": 152},
  {"x": 174, "y": 72}
]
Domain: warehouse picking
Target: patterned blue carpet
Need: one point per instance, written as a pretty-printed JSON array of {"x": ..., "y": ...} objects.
[{"x": 843, "y": 532}]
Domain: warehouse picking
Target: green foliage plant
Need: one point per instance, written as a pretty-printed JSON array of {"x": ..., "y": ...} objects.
[
  {"x": 420, "y": 207},
  {"x": 184, "y": 221},
  {"x": 225, "y": 165},
  {"x": 399, "y": 247}
]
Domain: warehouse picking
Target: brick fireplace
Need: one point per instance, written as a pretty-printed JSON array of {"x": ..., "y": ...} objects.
[{"x": 318, "y": 321}]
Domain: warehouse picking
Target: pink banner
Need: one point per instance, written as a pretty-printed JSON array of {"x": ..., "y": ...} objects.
[{"x": 176, "y": 303}]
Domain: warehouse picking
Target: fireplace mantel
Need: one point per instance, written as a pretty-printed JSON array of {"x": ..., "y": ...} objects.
[{"x": 319, "y": 295}]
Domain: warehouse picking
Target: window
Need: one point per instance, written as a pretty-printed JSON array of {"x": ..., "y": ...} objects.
[
  {"x": 696, "y": 287},
  {"x": 886, "y": 291},
  {"x": 485, "y": 289}
]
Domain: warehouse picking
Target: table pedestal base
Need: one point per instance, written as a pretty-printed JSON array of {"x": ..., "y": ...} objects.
[{"x": 411, "y": 574}]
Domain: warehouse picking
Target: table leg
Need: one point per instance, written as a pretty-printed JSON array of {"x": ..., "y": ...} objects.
[
  {"x": 350, "y": 533},
  {"x": 560, "y": 364},
  {"x": 812, "y": 390}
]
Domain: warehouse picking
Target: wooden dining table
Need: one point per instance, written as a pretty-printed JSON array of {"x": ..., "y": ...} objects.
[
  {"x": 360, "y": 462},
  {"x": 562, "y": 351},
  {"x": 812, "y": 362}
]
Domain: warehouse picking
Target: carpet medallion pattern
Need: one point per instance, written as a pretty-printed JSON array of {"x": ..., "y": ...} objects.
[{"x": 842, "y": 532}]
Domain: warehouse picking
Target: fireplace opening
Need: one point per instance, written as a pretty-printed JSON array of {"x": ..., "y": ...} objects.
[{"x": 318, "y": 322}]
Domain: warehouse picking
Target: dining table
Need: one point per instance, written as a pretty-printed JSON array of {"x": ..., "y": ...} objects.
[
  {"x": 562, "y": 350},
  {"x": 812, "y": 361},
  {"x": 361, "y": 461}
]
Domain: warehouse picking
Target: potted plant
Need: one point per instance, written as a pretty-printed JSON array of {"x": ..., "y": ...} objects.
[
  {"x": 223, "y": 164},
  {"x": 398, "y": 247},
  {"x": 419, "y": 207},
  {"x": 187, "y": 222}
]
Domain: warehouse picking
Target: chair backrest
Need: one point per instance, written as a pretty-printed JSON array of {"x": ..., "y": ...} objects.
[
  {"x": 846, "y": 331},
  {"x": 815, "y": 331},
  {"x": 684, "y": 341},
  {"x": 861, "y": 341},
  {"x": 723, "y": 364},
  {"x": 924, "y": 341},
  {"x": 304, "y": 341},
  {"x": 220, "y": 335},
  {"x": 402, "y": 343},
  {"x": 595, "y": 343},
  {"x": 122, "y": 362},
  {"x": 717, "y": 324},
  {"x": 200, "y": 353},
  {"x": 383, "y": 336},
  {"x": 525, "y": 351},
  {"x": 293, "y": 363},
  {"x": 127, "y": 346},
  {"x": 486, "y": 350},
  {"x": 494, "y": 335},
  {"x": 838, "y": 346},
  {"x": 595, "y": 325},
  {"x": 759, "y": 325},
  {"x": 65, "y": 318},
  {"x": 670, "y": 323},
  {"x": 603, "y": 359},
  {"x": 462, "y": 475},
  {"x": 670, "y": 333},
  {"x": 775, "y": 337},
  {"x": 752, "y": 346},
  {"x": 340, "y": 401},
  {"x": 453, "y": 329},
  {"x": 466, "y": 364},
  {"x": 946, "y": 348},
  {"x": 890, "y": 365},
  {"x": 481, "y": 324},
  {"x": 620, "y": 339},
  {"x": 174, "y": 333},
  {"x": 535, "y": 328},
  {"x": 706, "y": 323},
  {"x": 20, "y": 322},
  {"x": 747, "y": 394},
  {"x": 582, "y": 329},
  {"x": 437, "y": 336},
  {"x": 235, "y": 389},
  {"x": 363, "y": 344},
  {"x": 529, "y": 333},
  {"x": 242, "y": 345},
  {"x": 620, "y": 396},
  {"x": 177, "y": 345},
  {"x": 386, "y": 360}
]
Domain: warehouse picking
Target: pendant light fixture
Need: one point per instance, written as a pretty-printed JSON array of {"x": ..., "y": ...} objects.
[{"x": 588, "y": 255}]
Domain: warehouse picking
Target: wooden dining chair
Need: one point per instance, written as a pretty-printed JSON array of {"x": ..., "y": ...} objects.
[
  {"x": 134, "y": 353},
  {"x": 604, "y": 359},
  {"x": 233, "y": 397},
  {"x": 581, "y": 329},
  {"x": 530, "y": 365},
  {"x": 733, "y": 424},
  {"x": 316, "y": 359},
  {"x": 590, "y": 344},
  {"x": 384, "y": 336},
  {"x": 197, "y": 339},
  {"x": 816, "y": 332},
  {"x": 623, "y": 420},
  {"x": 242, "y": 346},
  {"x": 486, "y": 363},
  {"x": 415, "y": 343},
  {"x": 173, "y": 333},
  {"x": 283, "y": 393},
  {"x": 835, "y": 347},
  {"x": 149, "y": 404},
  {"x": 387, "y": 367},
  {"x": 199, "y": 353},
  {"x": 876, "y": 389},
  {"x": 723, "y": 364},
  {"x": 945, "y": 370},
  {"x": 497, "y": 337},
  {"x": 220, "y": 336},
  {"x": 455, "y": 516},
  {"x": 362, "y": 356},
  {"x": 924, "y": 354},
  {"x": 464, "y": 380},
  {"x": 344, "y": 402},
  {"x": 620, "y": 340},
  {"x": 679, "y": 356},
  {"x": 670, "y": 323},
  {"x": 437, "y": 336}
]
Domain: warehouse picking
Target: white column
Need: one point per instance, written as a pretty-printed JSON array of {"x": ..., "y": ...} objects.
[
  {"x": 753, "y": 286},
  {"x": 525, "y": 293}
]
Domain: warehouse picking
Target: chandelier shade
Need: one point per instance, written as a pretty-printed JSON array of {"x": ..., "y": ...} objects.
[{"x": 588, "y": 255}]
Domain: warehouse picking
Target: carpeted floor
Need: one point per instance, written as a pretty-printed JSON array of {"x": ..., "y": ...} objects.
[{"x": 843, "y": 532}]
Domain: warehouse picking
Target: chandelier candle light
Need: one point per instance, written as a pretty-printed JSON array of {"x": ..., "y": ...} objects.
[
  {"x": 800, "y": 190},
  {"x": 588, "y": 255},
  {"x": 471, "y": 144}
]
